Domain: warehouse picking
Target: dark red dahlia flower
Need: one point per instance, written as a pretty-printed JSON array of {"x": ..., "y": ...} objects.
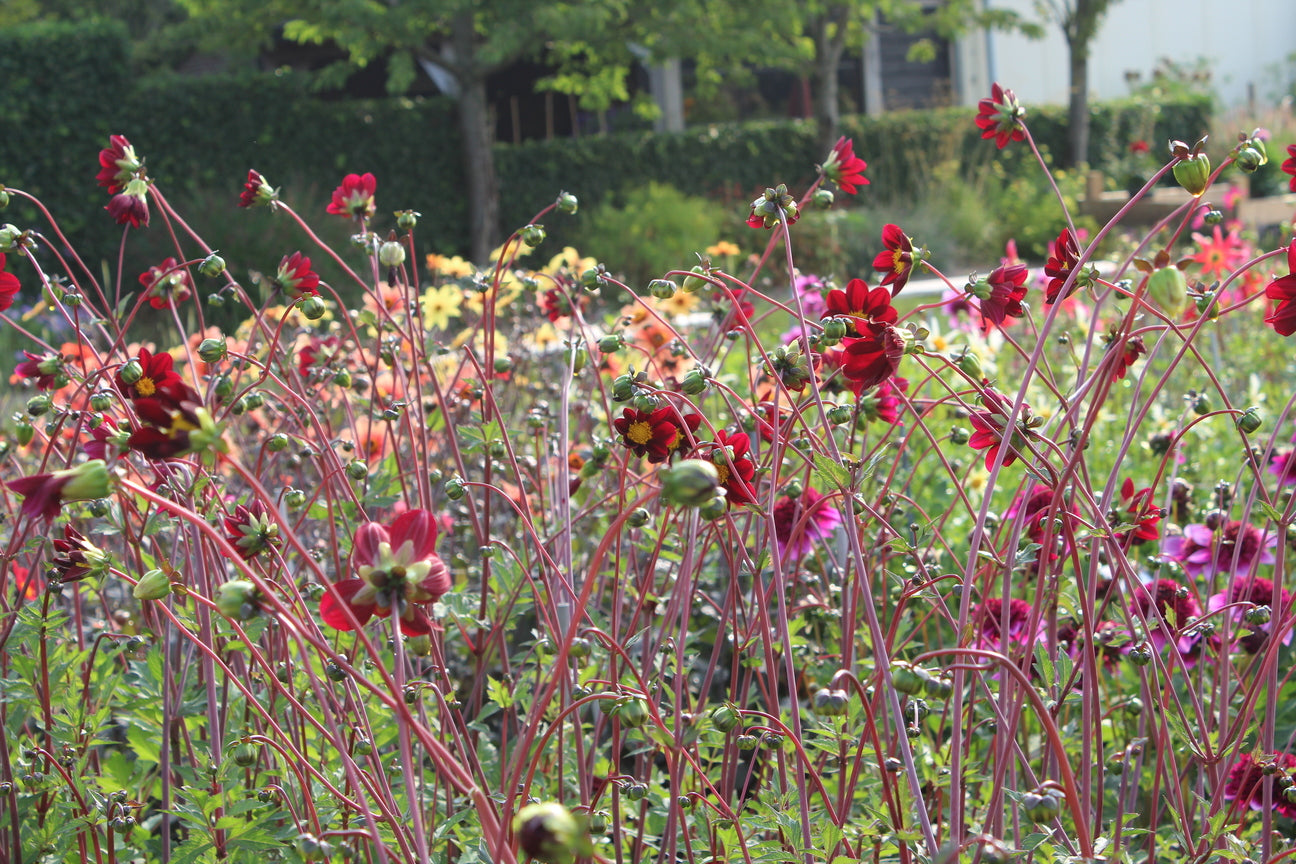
[
  {"x": 989, "y": 426},
  {"x": 49, "y": 371},
  {"x": 1283, "y": 290},
  {"x": 117, "y": 164},
  {"x": 129, "y": 208},
  {"x": 167, "y": 283},
  {"x": 844, "y": 168},
  {"x": 656, "y": 434},
  {"x": 858, "y": 303},
  {"x": 257, "y": 191},
  {"x": 1289, "y": 166},
  {"x": 45, "y": 494},
  {"x": 873, "y": 357},
  {"x": 296, "y": 276},
  {"x": 1062, "y": 260},
  {"x": 1134, "y": 349},
  {"x": 75, "y": 557},
  {"x": 252, "y": 530},
  {"x": 144, "y": 376},
  {"x": 399, "y": 573},
  {"x": 1136, "y": 508},
  {"x": 1000, "y": 117},
  {"x": 8, "y": 285},
  {"x": 355, "y": 197},
  {"x": 897, "y": 261},
  {"x": 732, "y": 461},
  {"x": 1001, "y": 295},
  {"x": 1246, "y": 593}
]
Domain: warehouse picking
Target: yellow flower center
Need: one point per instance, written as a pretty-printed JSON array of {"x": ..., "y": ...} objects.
[
  {"x": 722, "y": 471},
  {"x": 899, "y": 261},
  {"x": 640, "y": 432},
  {"x": 145, "y": 386}
]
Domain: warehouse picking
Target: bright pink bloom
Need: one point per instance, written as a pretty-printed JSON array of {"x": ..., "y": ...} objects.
[
  {"x": 399, "y": 572},
  {"x": 355, "y": 197},
  {"x": 1168, "y": 606},
  {"x": 1237, "y": 547},
  {"x": 1283, "y": 290},
  {"x": 800, "y": 521},
  {"x": 1000, "y": 117},
  {"x": 844, "y": 168},
  {"x": 1220, "y": 254},
  {"x": 1249, "y": 591}
]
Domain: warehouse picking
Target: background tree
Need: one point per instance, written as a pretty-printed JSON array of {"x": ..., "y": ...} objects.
[{"x": 1080, "y": 21}]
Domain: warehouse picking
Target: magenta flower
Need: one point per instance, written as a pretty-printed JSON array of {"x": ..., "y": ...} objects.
[
  {"x": 1245, "y": 782},
  {"x": 1283, "y": 466},
  {"x": 1237, "y": 547},
  {"x": 1248, "y": 592},
  {"x": 1168, "y": 606},
  {"x": 398, "y": 573},
  {"x": 988, "y": 620},
  {"x": 800, "y": 521},
  {"x": 1289, "y": 166}
]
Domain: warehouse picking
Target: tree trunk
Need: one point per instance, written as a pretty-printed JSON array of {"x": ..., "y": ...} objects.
[
  {"x": 478, "y": 137},
  {"x": 828, "y": 53},
  {"x": 1078, "y": 106}
]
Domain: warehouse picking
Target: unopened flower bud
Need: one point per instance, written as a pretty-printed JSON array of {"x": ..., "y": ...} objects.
[
  {"x": 212, "y": 350},
  {"x": 638, "y": 518},
  {"x": 238, "y": 599},
  {"x": 1257, "y": 616},
  {"x": 592, "y": 279},
  {"x": 1249, "y": 420},
  {"x": 691, "y": 483},
  {"x": 830, "y": 702},
  {"x": 662, "y": 289},
  {"x": 726, "y": 717},
  {"x": 4, "y": 198},
  {"x": 548, "y": 832},
  {"x": 311, "y": 306},
  {"x": 130, "y": 373},
  {"x": 695, "y": 283},
  {"x": 1140, "y": 655},
  {"x": 959, "y": 436},
  {"x": 969, "y": 363},
  {"x": 223, "y": 387},
  {"x": 213, "y": 265},
  {"x": 567, "y": 202},
  {"x": 1193, "y": 173},
  {"x": 1040, "y": 808},
  {"x": 356, "y": 469},
  {"x": 839, "y": 414},
  {"x": 153, "y": 585},
  {"x": 9, "y": 237},
  {"x": 39, "y": 405},
  {"x": 694, "y": 383},
  {"x": 245, "y": 755},
  {"x": 406, "y": 220},
  {"x": 295, "y": 499},
  {"x": 834, "y": 330},
  {"x": 311, "y": 848},
  {"x": 908, "y": 679},
  {"x": 533, "y": 235},
  {"x": 277, "y": 442},
  {"x": 1213, "y": 217},
  {"x": 454, "y": 488},
  {"x": 714, "y": 509},
  {"x": 1248, "y": 160},
  {"x": 794, "y": 489},
  {"x": 822, "y": 198},
  {"x": 1168, "y": 287},
  {"x": 391, "y": 253},
  {"x": 24, "y": 432}
]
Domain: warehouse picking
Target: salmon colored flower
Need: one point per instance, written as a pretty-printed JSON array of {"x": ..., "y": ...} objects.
[
  {"x": 398, "y": 573},
  {"x": 897, "y": 260},
  {"x": 1220, "y": 254},
  {"x": 1000, "y": 117},
  {"x": 1283, "y": 290},
  {"x": 844, "y": 168},
  {"x": 355, "y": 197}
]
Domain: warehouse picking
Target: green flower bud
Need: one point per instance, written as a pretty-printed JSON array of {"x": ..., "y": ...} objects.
[
  {"x": 695, "y": 283},
  {"x": 549, "y": 833},
  {"x": 39, "y": 405},
  {"x": 638, "y": 518},
  {"x": 794, "y": 489},
  {"x": 223, "y": 387},
  {"x": 835, "y": 329},
  {"x": 406, "y": 220},
  {"x": 4, "y": 198},
  {"x": 356, "y": 469},
  {"x": 86, "y": 481},
  {"x": 1040, "y": 808},
  {"x": 245, "y": 755},
  {"x": 217, "y": 299},
  {"x": 419, "y": 646},
  {"x": 1257, "y": 616},
  {"x": 726, "y": 717},
  {"x": 295, "y": 499},
  {"x": 662, "y": 289},
  {"x": 694, "y": 383},
  {"x": 631, "y": 711},
  {"x": 1250, "y": 421},
  {"x": 1168, "y": 288},
  {"x": 839, "y": 414},
  {"x": 1193, "y": 173},
  {"x": 592, "y": 279},
  {"x": 277, "y": 443},
  {"x": 969, "y": 363},
  {"x": 908, "y": 679},
  {"x": 1201, "y": 404},
  {"x": 130, "y": 373},
  {"x": 101, "y": 400},
  {"x": 830, "y": 702},
  {"x": 342, "y": 378},
  {"x": 454, "y": 488},
  {"x": 10, "y": 237},
  {"x": 362, "y": 746},
  {"x": 611, "y": 343},
  {"x": 311, "y": 848},
  {"x": 311, "y": 306},
  {"x": 822, "y": 198},
  {"x": 533, "y": 235},
  {"x": 153, "y": 585},
  {"x": 1140, "y": 655},
  {"x": 1213, "y": 217},
  {"x": 1248, "y": 160},
  {"x": 747, "y": 742},
  {"x": 567, "y": 202},
  {"x": 238, "y": 599},
  {"x": 959, "y": 435},
  {"x": 391, "y": 253},
  {"x": 691, "y": 483},
  {"x": 714, "y": 509},
  {"x": 212, "y": 350},
  {"x": 24, "y": 432},
  {"x": 213, "y": 265}
]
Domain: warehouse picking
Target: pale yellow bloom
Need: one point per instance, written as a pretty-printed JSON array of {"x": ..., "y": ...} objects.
[
  {"x": 441, "y": 305},
  {"x": 570, "y": 259},
  {"x": 681, "y": 303},
  {"x": 545, "y": 336}
]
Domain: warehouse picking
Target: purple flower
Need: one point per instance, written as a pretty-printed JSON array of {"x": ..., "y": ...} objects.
[
  {"x": 1234, "y": 551},
  {"x": 800, "y": 521},
  {"x": 1246, "y": 592}
]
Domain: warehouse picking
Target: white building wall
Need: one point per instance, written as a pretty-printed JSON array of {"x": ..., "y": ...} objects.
[{"x": 1247, "y": 44}]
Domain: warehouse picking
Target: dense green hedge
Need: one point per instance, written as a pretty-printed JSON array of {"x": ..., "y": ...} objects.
[{"x": 67, "y": 88}]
